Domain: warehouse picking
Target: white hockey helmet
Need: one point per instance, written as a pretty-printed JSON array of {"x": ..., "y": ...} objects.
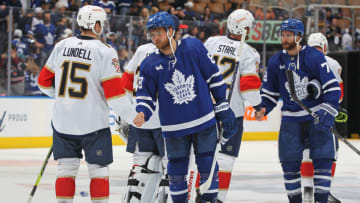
[
  {"x": 88, "y": 16},
  {"x": 238, "y": 20},
  {"x": 318, "y": 40}
]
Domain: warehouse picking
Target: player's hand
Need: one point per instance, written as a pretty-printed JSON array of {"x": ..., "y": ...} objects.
[
  {"x": 139, "y": 119},
  {"x": 259, "y": 115}
]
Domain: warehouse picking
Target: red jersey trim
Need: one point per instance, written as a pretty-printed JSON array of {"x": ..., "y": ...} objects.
[
  {"x": 113, "y": 88},
  {"x": 128, "y": 80},
  {"x": 250, "y": 82},
  {"x": 46, "y": 78}
]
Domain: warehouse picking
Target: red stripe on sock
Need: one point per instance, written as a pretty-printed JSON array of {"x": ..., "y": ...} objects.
[
  {"x": 333, "y": 169},
  {"x": 307, "y": 169},
  {"x": 65, "y": 187},
  {"x": 224, "y": 180},
  {"x": 99, "y": 188}
]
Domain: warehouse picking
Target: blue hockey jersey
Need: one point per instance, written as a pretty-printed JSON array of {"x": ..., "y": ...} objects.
[
  {"x": 183, "y": 90},
  {"x": 313, "y": 65}
]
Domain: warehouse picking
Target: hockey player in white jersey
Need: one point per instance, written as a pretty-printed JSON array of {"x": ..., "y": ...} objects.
[
  {"x": 319, "y": 42},
  {"x": 146, "y": 142},
  {"x": 309, "y": 68},
  {"x": 181, "y": 76},
  {"x": 81, "y": 74},
  {"x": 226, "y": 51}
]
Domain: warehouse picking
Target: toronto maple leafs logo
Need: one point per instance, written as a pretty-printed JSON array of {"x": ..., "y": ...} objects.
[
  {"x": 300, "y": 86},
  {"x": 182, "y": 90}
]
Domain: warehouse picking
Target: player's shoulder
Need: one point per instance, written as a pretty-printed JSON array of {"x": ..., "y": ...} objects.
[
  {"x": 190, "y": 43},
  {"x": 276, "y": 58},
  {"x": 312, "y": 53},
  {"x": 214, "y": 39},
  {"x": 145, "y": 48},
  {"x": 331, "y": 60},
  {"x": 250, "y": 51},
  {"x": 152, "y": 60}
]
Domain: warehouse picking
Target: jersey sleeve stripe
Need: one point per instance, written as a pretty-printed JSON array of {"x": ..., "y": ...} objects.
[
  {"x": 342, "y": 91},
  {"x": 217, "y": 84},
  {"x": 146, "y": 105},
  {"x": 270, "y": 92},
  {"x": 211, "y": 77},
  {"x": 113, "y": 88},
  {"x": 46, "y": 78},
  {"x": 250, "y": 82},
  {"x": 332, "y": 89},
  {"x": 144, "y": 98},
  {"x": 49, "y": 69},
  {"x": 128, "y": 80},
  {"x": 328, "y": 83},
  {"x": 270, "y": 98}
]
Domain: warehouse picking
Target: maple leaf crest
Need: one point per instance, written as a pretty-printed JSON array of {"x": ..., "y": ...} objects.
[
  {"x": 181, "y": 90},
  {"x": 300, "y": 86}
]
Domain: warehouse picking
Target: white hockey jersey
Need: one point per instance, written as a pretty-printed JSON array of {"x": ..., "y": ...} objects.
[
  {"x": 83, "y": 74},
  {"x": 130, "y": 80},
  {"x": 335, "y": 67},
  {"x": 247, "y": 84}
]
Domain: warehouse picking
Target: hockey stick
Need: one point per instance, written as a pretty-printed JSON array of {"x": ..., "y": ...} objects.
[
  {"x": 206, "y": 185},
  {"x": 40, "y": 174},
  {"x": 290, "y": 78}
]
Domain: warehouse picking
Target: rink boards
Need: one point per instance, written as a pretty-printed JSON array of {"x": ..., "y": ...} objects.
[{"x": 25, "y": 122}]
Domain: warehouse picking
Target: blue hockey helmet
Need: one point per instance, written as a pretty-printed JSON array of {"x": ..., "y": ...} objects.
[
  {"x": 160, "y": 19},
  {"x": 293, "y": 25}
]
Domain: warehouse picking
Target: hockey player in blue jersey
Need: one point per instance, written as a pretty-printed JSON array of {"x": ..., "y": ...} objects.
[
  {"x": 311, "y": 72},
  {"x": 181, "y": 77}
]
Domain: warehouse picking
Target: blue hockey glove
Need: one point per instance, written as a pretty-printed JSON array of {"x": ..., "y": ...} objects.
[
  {"x": 326, "y": 115},
  {"x": 226, "y": 117},
  {"x": 314, "y": 89}
]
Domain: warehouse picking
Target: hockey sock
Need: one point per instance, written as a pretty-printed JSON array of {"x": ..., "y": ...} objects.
[
  {"x": 322, "y": 179},
  {"x": 226, "y": 164},
  {"x": 307, "y": 169},
  {"x": 99, "y": 190},
  {"x": 292, "y": 181},
  {"x": 177, "y": 170},
  {"x": 65, "y": 189}
]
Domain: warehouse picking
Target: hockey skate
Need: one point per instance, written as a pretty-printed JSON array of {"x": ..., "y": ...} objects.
[
  {"x": 308, "y": 195},
  {"x": 333, "y": 199}
]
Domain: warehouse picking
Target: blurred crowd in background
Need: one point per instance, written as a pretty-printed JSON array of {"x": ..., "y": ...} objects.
[{"x": 37, "y": 25}]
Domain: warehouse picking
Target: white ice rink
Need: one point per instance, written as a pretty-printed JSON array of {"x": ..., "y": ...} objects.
[{"x": 257, "y": 175}]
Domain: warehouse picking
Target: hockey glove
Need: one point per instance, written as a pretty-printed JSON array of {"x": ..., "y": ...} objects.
[
  {"x": 226, "y": 117},
  {"x": 123, "y": 128},
  {"x": 313, "y": 89},
  {"x": 342, "y": 117},
  {"x": 326, "y": 115}
]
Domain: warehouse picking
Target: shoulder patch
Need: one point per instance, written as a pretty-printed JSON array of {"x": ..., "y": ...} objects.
[{"x": 116, "y": 64}]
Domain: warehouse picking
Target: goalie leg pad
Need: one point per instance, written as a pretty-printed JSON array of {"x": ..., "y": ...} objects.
[
  {"x": 204, "y": 162},
  {"x": 144, "y": 179},
  {"x": 177, "y": 171},
  {"x": 292, "y": 180}
]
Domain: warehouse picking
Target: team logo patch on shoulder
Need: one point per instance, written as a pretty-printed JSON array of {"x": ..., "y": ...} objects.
[
  {"x": 182, "y": 90},
  {"x": 116, "y": 64}
]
